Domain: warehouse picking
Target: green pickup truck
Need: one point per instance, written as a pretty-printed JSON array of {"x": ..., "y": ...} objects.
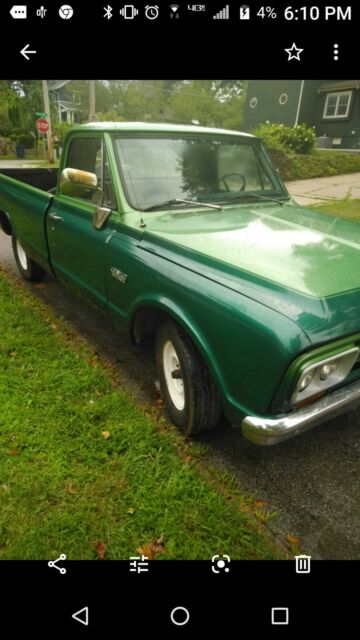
[{"x": 189, "y": 233}]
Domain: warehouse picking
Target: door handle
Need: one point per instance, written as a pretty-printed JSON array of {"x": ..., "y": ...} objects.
[{"x": 54, "y": 216}]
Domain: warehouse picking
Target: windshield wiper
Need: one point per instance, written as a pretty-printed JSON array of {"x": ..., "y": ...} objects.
[
  {"x": 180, "y": 201},
  {"x": 256, "y": 195}
]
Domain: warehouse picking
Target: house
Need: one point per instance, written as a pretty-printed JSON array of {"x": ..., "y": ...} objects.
[
  {"x": 68, "y": 104},
  {"x": 331, "y": 106}
]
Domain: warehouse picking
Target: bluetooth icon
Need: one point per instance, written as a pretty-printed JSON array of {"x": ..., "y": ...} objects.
[{"x": 108, "y": 12}]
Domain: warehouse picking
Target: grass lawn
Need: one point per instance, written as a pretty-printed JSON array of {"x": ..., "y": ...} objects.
[
  {"x": 346, "y": 208},
  {"x": 84, "y": 471}
]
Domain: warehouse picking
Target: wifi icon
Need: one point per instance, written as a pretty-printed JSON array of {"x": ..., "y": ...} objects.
[{"x": 174, "y": 10}]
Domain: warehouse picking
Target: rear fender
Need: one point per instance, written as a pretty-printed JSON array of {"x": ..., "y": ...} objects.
[{"x": 5, "y": 223}]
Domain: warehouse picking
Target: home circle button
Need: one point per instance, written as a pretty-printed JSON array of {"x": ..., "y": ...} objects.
[{"x": 180, "y": 616}]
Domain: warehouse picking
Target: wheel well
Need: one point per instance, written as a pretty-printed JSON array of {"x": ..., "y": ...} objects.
[
  {"x": 5, "y": 223},
  {"x": 146, "y": 321}
]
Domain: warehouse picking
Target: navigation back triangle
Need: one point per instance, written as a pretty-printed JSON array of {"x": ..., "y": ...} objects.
[{"x": 82, "y": 616}]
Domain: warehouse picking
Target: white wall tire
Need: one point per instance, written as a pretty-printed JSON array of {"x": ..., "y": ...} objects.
[
  {"x": 29, "y": 269},
  {"x": 173, "y": 375},
  {"x": 190, "y": 395},
  {"x": 21, "y": 255}
]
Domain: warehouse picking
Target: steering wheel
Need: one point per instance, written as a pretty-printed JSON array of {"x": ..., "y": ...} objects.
[{"x": 228, "y": 175}]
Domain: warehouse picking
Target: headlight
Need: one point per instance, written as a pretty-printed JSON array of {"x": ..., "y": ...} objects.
[{"x": 322, "y": 375}]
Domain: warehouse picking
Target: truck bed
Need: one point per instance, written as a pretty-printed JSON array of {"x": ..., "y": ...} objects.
[
  {"x": 44, "y": 179},
  {"x": 24, "y": 200}
]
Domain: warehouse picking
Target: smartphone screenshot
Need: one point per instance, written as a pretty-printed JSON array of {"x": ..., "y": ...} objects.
[{"x": 179, "y": 318}]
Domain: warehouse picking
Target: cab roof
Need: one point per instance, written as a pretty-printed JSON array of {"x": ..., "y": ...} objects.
[{"x": 151, "y": 127}]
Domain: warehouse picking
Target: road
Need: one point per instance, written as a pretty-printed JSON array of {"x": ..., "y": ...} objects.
[{"x": 312, "y": 481}]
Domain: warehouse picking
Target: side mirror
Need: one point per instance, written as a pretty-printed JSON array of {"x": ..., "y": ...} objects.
[{"x": 77, "y": 183}]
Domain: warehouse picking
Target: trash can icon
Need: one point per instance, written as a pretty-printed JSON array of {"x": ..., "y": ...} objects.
[{"x": 302, "y": 564}]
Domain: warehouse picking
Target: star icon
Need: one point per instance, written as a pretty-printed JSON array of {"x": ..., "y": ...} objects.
[{"x": 294, "y": 52}]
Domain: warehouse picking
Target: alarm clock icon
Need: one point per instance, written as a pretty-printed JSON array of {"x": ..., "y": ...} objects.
[{"x": 152, "y": 11}]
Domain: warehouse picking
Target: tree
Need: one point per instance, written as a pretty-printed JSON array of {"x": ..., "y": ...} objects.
[{"x": 210, "y": 102}]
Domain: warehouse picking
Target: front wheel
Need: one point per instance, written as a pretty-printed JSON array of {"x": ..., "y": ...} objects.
[
  {"x": 190, "y": 396},
  {"x": 29, "y": 269}
]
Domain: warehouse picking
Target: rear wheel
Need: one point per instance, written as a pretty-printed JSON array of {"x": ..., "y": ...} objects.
[
  {"x": 190, "y": 395},
  {"x": 29, "y": 269}
]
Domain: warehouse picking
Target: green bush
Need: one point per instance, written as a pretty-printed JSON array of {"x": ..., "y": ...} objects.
[
  {"x": 27, "y": 140},
  {"x": 318, "y": 164},
  {"x": 109, "y": 116},
  {"x": 5, "y": 131},
  {"x": 60, "y": 130},
  {"x": 278, "y": 137}
]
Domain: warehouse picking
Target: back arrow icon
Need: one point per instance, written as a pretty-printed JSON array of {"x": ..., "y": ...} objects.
[
  {"x": 25, "y": 51},
  {"x": 82, "y": 616}
]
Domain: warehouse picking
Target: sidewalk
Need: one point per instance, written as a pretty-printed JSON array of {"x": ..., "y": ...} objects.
[
  {"x": 317, "y": 190},
  {"x": 22, "y": 162}
]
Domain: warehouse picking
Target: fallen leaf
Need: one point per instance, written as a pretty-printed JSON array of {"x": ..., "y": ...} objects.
[
  {"x": 100, "y": 549},
  {"x": 54, "y": 327},
  {"x": 131, "y": 510},
  {"x": 13, "y": 452},
  {"x": 105, "y": 434},
  {"x": 40, "y": 285},
  {"x": 160, "y": 402},
  {"x": 188, "y": 458},
  {"x": 160, "y": 427},
  {"x": 70, "y": 488},
  {"x": 293, "y": 539},
  {"x": 260, "y": 503},
  {"x": 153, "y": 548}
]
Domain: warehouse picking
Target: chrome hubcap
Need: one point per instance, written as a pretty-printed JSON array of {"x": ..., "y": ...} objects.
[{"x": 173, "y": 375}]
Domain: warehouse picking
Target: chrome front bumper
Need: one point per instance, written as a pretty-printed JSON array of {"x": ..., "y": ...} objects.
[{"x": 267, "y": 431}]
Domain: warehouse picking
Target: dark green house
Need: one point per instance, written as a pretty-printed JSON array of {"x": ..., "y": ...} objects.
[{"x": 331, "y": 106}]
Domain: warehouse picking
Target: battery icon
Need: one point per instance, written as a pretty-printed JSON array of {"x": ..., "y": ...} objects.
[{"x": 244, "y": 12}]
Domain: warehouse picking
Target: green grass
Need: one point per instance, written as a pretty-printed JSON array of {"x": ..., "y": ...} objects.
[
  {"x": 345, "y": 208},
  {"x": 29, "y": 155},
  {"x": 64, "y": 487}
]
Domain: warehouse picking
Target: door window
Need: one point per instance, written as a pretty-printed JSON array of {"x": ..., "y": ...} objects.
[{"x": 88, "y": 154}]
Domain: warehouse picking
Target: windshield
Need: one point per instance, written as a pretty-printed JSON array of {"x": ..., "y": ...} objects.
[{"x": 156, "y": 171}]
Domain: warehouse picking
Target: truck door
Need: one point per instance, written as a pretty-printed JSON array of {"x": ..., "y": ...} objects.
[{"x": 77, "y": 249}]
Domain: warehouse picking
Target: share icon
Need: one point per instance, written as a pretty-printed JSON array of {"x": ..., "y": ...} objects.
[{"x": 52, "y": 563}]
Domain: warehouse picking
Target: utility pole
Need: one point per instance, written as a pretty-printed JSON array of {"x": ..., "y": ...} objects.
[
  {"x": 92, "y": 105},
  {"x": 48, "y": 116}
]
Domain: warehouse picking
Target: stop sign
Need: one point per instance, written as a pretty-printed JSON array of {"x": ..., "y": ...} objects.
[{"x": 42, "y": 125}]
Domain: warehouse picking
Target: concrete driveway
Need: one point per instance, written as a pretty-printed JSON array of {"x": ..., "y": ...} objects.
[{"x": 317, "y": 190}]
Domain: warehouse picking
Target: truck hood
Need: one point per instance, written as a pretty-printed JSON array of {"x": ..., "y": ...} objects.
[{"x": 303, "y": 263}]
